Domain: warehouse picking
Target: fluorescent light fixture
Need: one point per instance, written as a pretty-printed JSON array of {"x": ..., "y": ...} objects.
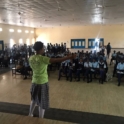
[
  {"x": 11, "y": 30},
  {"x": 19, "y": 31},
  {"x": 26, "y": 31},
  {"x": 1, "y": 29},
  {"x": 32, "y": 32}
]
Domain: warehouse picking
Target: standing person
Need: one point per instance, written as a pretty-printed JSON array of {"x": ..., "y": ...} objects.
[
  {"x": 108, "y": 48},
  {"x": 40, "y": 88}
]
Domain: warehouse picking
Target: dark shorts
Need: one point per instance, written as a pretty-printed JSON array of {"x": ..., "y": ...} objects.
[{"x": 40, "y": 94}]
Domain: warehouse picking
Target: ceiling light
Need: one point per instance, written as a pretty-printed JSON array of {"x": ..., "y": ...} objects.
[
  {"x": 1, "y": 29},
  {"x": 19, "y": 31},
  {"x": 26, "y": 31},
  {"x": 11, "y": 30},
  {"x": 32, "y": 32}
]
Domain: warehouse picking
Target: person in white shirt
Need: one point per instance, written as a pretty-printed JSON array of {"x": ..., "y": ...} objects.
[
  {"x": 120, "y": 71},
  {"x": 88, "y": 73}
]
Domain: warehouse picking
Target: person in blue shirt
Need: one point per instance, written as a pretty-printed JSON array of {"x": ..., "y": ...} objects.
[
  {"x": 95, "y": 67},
  {"x": 26, "y": 68},
  {"x": 88, "y": 73},
  {"x": 71, "y": 70},
  {"x": 62, "y": 70},
  {"x": 102, "y": 70},
  {"x": 79, "y": 69},
  {"x": 120, "y": 71}
]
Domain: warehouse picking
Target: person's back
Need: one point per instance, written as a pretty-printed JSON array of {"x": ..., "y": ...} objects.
[{"x": 39, "y": 65}]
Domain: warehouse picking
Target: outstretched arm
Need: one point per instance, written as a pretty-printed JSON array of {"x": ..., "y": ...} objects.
[{"x": 54, "y": 60}]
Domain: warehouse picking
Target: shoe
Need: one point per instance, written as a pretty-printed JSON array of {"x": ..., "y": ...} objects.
[
  {"x": 118, "y": 84},
  {"x": 25, "y": 78},
  {"x": 88, "y": 81},
  {"x": 78, "y": 80},
  {"x": 58, "y": 78}
]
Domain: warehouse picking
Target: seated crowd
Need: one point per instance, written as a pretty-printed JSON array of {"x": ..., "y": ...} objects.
[
  {"x": 91, "y": 66},
  {"x": 87, "y": 65}
]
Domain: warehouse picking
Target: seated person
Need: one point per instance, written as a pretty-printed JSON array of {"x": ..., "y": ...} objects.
[
  {"x": 88, "y": 73},
  {"x": 79, "y": 69},
  {"x": 63, "y": 69},
  {"x": 102, "y": 70},
  {"x": 19, "y": 65},
  {"x": 26, "y": 69},
  {"x": 120, "y": 71},
  {"x": 115, "y": 66},
  {"x": 5, "y": 61},
  {"x": 71, "y": 69},
  {"x": 95, "y": 67},
  {"x": 113, "y": 57}
]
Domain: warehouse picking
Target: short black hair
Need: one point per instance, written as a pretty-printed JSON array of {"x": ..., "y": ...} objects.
[{"x": 38, "y": 46}]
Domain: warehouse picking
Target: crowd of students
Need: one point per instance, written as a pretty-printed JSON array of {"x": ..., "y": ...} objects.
[
  {"x": 87, "y": 65},
  {"x": 92, "y": 65}
]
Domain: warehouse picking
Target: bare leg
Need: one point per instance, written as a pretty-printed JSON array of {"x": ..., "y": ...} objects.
[
  {"x": 41, "y": 112},
  {"x": 32, "y": 107}
]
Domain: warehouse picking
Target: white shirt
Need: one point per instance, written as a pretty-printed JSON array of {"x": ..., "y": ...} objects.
[
  {"x": 86, "y": 64},
  {"x": 95, "y": 65},
  {"x": 103, "y": 64},
  {"x": 120, "y": 66}
]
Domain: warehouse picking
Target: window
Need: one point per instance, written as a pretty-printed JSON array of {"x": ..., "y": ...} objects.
[
  {"x": 28, "y": 42},
  {"x": 11, "y": 30},
  {"x": 11, "y": 43},
  {"x": 33, "y": 41},
  {"x": 20, "y": 41},
  {"x": 32, "y": 32},
  {"x": 77, "y": 43},
  {"x": 19, "y": 31},
  {"x": 26, "y": 31},
  {"x": 1, "y": 29}
]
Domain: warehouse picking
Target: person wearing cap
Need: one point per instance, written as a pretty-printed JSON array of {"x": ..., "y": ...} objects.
[
  {"x": 120, "y": 71},
  {"x": 40, "y": 88}
]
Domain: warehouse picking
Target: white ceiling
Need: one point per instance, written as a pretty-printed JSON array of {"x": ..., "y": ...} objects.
[{"x": 50, "y": 13}]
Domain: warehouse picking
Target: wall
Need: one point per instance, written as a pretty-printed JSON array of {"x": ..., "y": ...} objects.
[
  {"x": 110, "y": 33},
  {"x": 14, "y": 37}
]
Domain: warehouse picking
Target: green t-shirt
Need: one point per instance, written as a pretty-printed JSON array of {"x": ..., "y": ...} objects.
[{"x": 39, "y": 65}]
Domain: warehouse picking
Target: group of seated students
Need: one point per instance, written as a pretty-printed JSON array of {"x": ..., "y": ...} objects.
[
  {"x": 91, "y": 66},
  {"x": 118, "y": 71},
  {"x": 86, "y": 65},
  {"x": 55, "y": 48}
]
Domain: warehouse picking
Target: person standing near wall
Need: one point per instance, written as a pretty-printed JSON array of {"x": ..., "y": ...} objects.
[
  {"x": 40, "y": 89},
  {"x": 108, "y": 48}
]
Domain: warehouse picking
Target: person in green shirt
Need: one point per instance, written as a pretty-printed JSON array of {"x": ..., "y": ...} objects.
[{"x": 40, "y": 89}]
